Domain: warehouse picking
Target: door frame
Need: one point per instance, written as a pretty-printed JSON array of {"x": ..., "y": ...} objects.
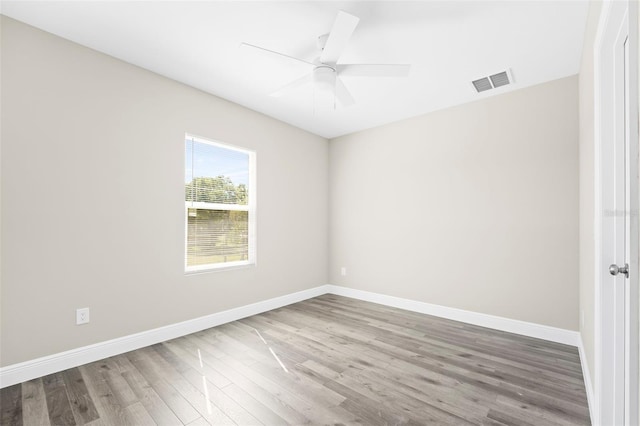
[{"x": 609, "y": 409}]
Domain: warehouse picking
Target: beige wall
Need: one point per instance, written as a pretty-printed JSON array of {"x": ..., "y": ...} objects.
[
  {"x": 473, "y": 207},
  {"x": 587, "y": 188},
  {"x": 92, "y": 188}
]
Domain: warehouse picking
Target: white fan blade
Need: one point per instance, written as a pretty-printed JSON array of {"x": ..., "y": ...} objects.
[
  {"x": 295, "y": 83},
  {"x": 373, "y": 70},
  {"x": 282, "y": 55},
  {"x": 343, "y": 95},
  {"x": 340, "y": 33}
]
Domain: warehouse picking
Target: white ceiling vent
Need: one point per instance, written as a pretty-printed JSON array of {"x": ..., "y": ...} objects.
[
  {"x": 482, "y": 84},
  {"x": 491, "y": 82}
]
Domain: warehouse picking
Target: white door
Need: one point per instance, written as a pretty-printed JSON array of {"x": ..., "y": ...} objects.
[{"x": 617, "y": 270}]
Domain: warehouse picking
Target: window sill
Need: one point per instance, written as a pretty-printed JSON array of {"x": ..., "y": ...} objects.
[{"x": 221, "y": 268}]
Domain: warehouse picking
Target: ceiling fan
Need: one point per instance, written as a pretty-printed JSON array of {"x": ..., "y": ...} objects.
[{"x": 325, "y": 72}]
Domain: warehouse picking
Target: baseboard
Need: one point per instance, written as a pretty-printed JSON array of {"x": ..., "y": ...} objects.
[
  {"x": 588, "y": 384},
  {"x": 18, "y": 373},
  {"x": 553, "y": 334}
]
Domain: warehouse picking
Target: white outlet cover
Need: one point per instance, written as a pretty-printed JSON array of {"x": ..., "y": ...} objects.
[{"x": 82, "y": 316}]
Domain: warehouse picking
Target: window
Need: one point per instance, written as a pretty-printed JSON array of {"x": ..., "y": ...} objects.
[{"x": 219, "y": 205}]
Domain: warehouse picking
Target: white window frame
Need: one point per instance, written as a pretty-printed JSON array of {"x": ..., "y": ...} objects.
[{"x": 250, "y": 207}]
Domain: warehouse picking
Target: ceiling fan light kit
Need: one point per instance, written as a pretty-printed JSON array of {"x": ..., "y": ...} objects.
[
  {"x": 325, "y": 72},
  {"x": 324, "y": 77}
]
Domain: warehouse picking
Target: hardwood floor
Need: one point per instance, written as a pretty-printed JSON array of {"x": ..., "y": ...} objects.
[{"x": 327, "y": 360}]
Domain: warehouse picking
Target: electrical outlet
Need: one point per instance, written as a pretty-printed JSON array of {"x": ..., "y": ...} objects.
[
  {"x": 82, "y": 316},
  {"x": 343, "y": 271}
]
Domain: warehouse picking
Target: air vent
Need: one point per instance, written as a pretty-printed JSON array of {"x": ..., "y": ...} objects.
[
  {"x": 482, "y": 84},
  {"x": 501, "y": 79},
  {"x": 496, "y": 80}
]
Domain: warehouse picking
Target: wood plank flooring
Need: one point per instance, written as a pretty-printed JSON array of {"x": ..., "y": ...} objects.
[{"x": 327, "y": 360}]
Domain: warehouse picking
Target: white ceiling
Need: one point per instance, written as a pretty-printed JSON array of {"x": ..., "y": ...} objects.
[{"x": 449, "y": 44}]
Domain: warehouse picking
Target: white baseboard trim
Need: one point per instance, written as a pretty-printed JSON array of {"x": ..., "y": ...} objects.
[
  {"x": 553, "y": 334},
  {"x": 18, "y": 373},
  {"x": 591, "y": 400}
]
